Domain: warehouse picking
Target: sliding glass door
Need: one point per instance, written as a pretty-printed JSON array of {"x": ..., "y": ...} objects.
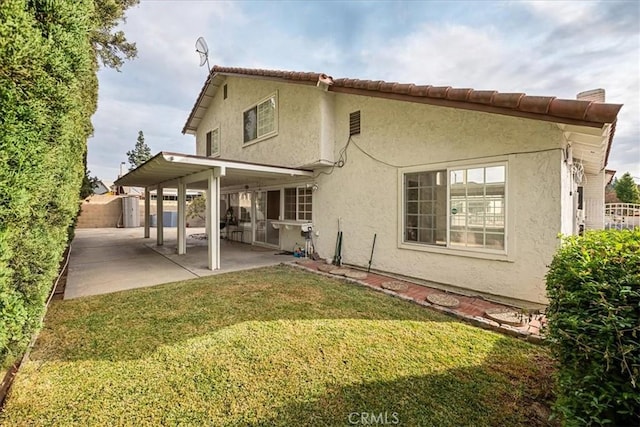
[{"x": 267, "y": 211}]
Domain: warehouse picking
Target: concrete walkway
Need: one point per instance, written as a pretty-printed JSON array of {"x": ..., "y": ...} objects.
[{"x": 105, "y": 260}]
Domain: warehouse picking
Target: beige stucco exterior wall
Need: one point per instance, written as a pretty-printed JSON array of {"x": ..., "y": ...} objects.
[
  {"x": 365, "y": 193},
  {"x": 300, "y": 127},
  {"x": 313, "y": 126}
]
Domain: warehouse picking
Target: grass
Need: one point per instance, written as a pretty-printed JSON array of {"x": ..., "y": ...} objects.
[{"x": 275, "y": 346}]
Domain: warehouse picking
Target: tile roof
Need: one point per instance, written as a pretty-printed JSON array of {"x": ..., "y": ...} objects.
[
  {"x": 286, "y": 75},
  {"x": 551, "y": 106},
  {"x": 548, "y": 108}
]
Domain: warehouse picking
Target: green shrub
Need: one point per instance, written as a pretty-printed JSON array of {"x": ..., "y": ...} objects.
[
  {"x": 594, "y": 327},
  {"x": 48, "y": 73},
  {"x": 48, "y": 93}
]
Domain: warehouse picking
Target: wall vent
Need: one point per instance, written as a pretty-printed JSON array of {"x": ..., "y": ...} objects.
[
  {"x": 354, "y": 123},
  {"x": 224, "y": 91}
]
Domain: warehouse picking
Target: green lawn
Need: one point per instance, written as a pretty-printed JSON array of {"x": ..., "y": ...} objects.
[{"x": 275, "y": 346}]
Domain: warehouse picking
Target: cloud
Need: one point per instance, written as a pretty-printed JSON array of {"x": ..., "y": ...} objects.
[
  {"x": 562, "y": 12},
  {"x": 449, "y": 55},
  {"x": 541, "y": 48},
  {"x": 570, "y": 48}
]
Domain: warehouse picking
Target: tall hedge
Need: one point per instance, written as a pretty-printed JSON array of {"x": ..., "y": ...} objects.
[
  {"x": 48, "y": 92},
  {"x": 594, "y": 328}
]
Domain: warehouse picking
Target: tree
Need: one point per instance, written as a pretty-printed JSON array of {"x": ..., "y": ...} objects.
[
  {"x": 627, "y": 189},
  {"x": 140, "y": 154},
  {"x": 88, "y": 185},
  {"x": 197, "y": 207},
  {"x": 111, "y": 46}
]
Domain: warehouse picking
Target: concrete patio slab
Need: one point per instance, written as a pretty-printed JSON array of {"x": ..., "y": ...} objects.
[{"x": 105, "y": 260}]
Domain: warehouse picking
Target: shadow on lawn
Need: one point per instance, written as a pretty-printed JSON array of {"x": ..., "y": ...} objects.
[
  {"x": 500, "y": 392},
  {"x": 133, "y": 324}
]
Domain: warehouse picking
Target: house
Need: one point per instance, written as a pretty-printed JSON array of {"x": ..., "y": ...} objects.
[
  {"x": 465, "y": 188},
  {"x": 101, "y": 187}
]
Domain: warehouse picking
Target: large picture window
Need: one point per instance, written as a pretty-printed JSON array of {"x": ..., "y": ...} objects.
[
  {"x": 457, "y": 208},
  {"x": 260, "y": 121}
]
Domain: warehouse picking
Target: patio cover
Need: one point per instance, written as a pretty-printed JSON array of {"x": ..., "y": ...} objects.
[
  {"x": 177, "y": 170},
  {"x": 165, "y": 168}
]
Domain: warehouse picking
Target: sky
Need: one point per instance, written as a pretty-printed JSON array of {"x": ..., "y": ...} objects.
[{"x": 550, "y": 48}]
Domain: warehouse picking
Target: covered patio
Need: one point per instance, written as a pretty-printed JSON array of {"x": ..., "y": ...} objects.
[
  {"x": 106, "y": 260},
  {"x": 183, "y": 171}
]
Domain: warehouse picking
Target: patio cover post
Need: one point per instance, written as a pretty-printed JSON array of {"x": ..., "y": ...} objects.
[
  {"x": 213, "y": 219},
  {"x": 182, "y": 224},
  {"x": 147, "y": 211},
  {"x": 159, "y": 222}
]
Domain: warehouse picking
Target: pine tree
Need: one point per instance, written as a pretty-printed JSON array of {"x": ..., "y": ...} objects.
[
  {"x": 627, "y": 190},
  {"x": 140, "y": 154}
]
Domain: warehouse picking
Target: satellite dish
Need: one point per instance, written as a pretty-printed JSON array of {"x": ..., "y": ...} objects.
[{"x": 203, "y": 51}]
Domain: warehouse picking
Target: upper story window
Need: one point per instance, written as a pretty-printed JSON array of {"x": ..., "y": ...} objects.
[
  {"x": 260, "y": 121},
  {"x": 461, "y": 208},
  {"x": 297, "y": 203},
  {"x": 213, "y": 143}
]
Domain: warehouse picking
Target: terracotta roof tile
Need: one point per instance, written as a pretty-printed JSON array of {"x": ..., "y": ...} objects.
[
  {"x": 403, "y": 88},
  {"x": 360, "y": 84},
  {"x": 374, "y": 84},
  {"x": 482, "y": 96},
  {"x": 288, "y": 75},
  {"x": 548, "y": 108},
  {"x": 420, "y": 90},
  {"x": 507, "y": 100},
  {"x": 568, "y": 108},
  {"x": 386, "y": 87},
  {"x": 535, "y": 104},
  {"x": 598, "y": 112},
  {"x": 459, "y": 94},
  {"x": 438, "y": 91}
]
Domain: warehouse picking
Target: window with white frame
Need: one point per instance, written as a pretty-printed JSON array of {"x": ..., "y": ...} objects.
[
  {"x": 298, "y": 203},
  {"x": 213, "y": 143},
  {"x": 460, "y": 208},
  {"x": 425, "y": 210},
  {"x": 260, "y": 120}
]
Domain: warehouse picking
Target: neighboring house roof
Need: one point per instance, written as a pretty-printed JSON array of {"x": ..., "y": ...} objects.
[
  {"x": 609, "y": 174},
  {"x": 547, "y": 108},
  {"x": 102, "y": 186}
]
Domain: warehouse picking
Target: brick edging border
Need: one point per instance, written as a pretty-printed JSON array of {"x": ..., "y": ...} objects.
[{"x": 477, "y": 321}]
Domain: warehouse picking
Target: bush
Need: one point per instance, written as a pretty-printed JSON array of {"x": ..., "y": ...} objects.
[
  {"x": 594, "y": 326},
  {"x": 197, "y": 208},
  {"x": 48, "y": 92},
  {"x": 46, "y": 84}
]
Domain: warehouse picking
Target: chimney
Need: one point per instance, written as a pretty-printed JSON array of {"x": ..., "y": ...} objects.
[{"x": 595, "y": 95}]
